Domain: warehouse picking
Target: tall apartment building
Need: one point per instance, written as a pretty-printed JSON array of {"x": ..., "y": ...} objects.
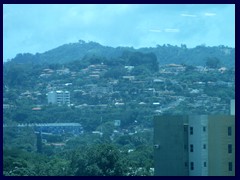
[
  {"x": 59, "y": 97},
  {"x": 200, "y": 145}
]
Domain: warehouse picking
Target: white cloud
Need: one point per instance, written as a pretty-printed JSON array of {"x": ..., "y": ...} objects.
[
  {"x": 171, "y": 30},
  {"x": 210, "y": 14},
  {"x": 188, "y": 15},
  {"x": 155, "y": 30}
]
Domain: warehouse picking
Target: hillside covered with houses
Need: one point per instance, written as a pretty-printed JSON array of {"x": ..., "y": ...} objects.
[{"x": 128, "y": 87}]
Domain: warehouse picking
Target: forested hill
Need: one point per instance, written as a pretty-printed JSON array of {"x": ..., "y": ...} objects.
[{"x": 165, "y": 54}]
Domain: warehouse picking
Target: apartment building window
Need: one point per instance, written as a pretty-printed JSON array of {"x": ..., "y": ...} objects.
[
  {"x": 192, "y": 165},
  {"x": 204, "y": 146},
  {"x": 185, "y": 127},
  {"x": 230, "y": 148},
  {"x": 191, "y": 130},
  {"x": 204, "y": 128},
  {"x": 191, "y": 147},
  {"x": 229, "y": 131},
  {"x": 205, "y": 164},
  {"x": 230, "y": 166}
]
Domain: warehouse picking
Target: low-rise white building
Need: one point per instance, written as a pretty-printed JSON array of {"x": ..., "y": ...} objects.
[{"x": 59, "y": 97}]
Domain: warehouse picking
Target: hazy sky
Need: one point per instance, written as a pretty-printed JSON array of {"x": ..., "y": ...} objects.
[{"x": 38, "y": 28}]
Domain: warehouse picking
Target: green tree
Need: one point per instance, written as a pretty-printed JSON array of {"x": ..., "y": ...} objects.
[
  {"x": 39, "y": 142},
  {"x": 115, "y": 72},
  {"x": 212, "y": 62},
  {"x": 99, "y": 160}
]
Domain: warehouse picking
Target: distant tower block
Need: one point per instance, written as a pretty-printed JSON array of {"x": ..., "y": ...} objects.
[
  {"x": 232, "y": 107},
  {"x": 59, "y": 97}
]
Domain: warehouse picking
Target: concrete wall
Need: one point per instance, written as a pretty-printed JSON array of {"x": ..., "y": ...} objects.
[
  {"x": 170, "y": 157},
  {"x": 52, "y": 97},
  {"x": 218, "y": 141},
  {"x": 232, "y": 107},
  {"x": 199, "y": 156}
]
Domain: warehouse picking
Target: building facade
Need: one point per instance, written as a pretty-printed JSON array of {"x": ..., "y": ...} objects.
[
  {"x": 221, "y": 145},
  {"x": 59, "y": 97},
  {"x": 170, "y": 146},
  {"x": 198, "y": 141},
  {"x": 201, "y": 145},
  {"x": 232, "y": 107}
]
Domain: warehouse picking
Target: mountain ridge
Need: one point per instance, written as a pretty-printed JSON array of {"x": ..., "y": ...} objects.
[{"x": 165, "y": 54}]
